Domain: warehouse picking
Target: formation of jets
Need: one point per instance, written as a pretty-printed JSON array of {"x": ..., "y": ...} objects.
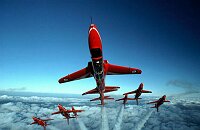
[
  {"x": 62, "y": 110},
  {"x": 99, "y": 68}
]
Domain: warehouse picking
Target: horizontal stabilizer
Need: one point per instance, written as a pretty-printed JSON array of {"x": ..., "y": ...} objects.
[
  {"x": 131, "y": 98},
  {"x": 105, "y": 98},
  {"x": 108, "y": 98}
]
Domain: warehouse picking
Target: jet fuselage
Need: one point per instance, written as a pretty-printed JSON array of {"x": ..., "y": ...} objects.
[{"x": 95, "y": 46}]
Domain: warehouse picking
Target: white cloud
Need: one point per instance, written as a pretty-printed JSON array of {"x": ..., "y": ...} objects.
[{"x": 16, "y": 113}]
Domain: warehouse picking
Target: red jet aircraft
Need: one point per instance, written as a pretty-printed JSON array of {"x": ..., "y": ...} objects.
[
  {"x": 125, "y": 99},
  {"x": 138, "y": 92},
  {"x": 65, "y": 112},
  {"x": 40, "y": 122},
  {"x": 98, "y": 68},
  {"x": 159, "y": 102}
]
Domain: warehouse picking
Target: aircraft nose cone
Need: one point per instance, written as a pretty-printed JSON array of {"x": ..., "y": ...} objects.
[{"x": 139, "y": 71}]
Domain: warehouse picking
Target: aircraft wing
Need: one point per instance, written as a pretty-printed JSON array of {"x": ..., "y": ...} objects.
[
  {"x": 80, "y": 74},
  {"x": 58, "y": 112},
  {"x": 33, "y": 123},
  {"x": 131, "y": 99},
  {"x": 146, "y": 91},
  {"x": 93, "y": 91},
  {"x": 117, "y": 70},
  {"x": 130, "y": 92},
  {"x": 77, "y": 110},
  {"x": 166, "y": 101},
  {"x": 152, "y": 102},
  {"x": 119, "y": 99}
]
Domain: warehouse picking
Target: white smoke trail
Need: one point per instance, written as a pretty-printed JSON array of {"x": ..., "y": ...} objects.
[
  {"x": 81, "y": 124},
  {"x": 52, "y": 127},
  {"x": 143, "y": 120},
  {"x": 119, "y": 119},
  {"x": 104, "y": 122}
]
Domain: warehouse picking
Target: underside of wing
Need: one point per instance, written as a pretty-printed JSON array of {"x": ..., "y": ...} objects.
[
  {"x": 152, "y": 102},
  {"x": 77, "y": 110},
  {"x": 111, "y": 88},
  {"x": 58, "y": 112},
  {"x": 93, "y": 91},
  {"x": 33, "y": 123},
  {"x": 81, "y": 74},
  {"x": 117, "y": 70},
  {"x": 146, "y": 91},
  {"x": 119, "y": 99},
  {"x": 130, "y": 92}
]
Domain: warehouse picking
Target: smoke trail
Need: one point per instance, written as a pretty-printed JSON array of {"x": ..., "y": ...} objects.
[
  {"x": 81, "y": 124},
  {"x": 52, "y": 127},
  {"x": 119, "y": 119},
  {"x": 104, "y": 122},
  {"x": 143, "y": 121}
]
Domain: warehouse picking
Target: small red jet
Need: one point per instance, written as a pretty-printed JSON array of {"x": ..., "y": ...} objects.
[
  {"x": 98, "y": 68},
  {"x": 125, "y": 99},
  {"x": 138, "y": 92},
  {"x": 40, "y": 122},
  {"x": 159, "y": 102},
  {"x": 66, "y": 113}
]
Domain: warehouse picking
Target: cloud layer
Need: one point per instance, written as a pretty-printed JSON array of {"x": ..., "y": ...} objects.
[{"x": 181, "y": 113}]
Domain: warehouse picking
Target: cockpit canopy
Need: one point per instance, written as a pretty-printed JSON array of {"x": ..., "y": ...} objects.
[{"x": 96, "y": 52}]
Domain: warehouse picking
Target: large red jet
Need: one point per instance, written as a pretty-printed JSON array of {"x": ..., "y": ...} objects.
[
  {"x": 98, "y": 68},
  {"x": 159, "y": 102},
  {"x": 40, "y": 122},
  {"x": 138, "y": 92},
  {"x": 65, "y": 112},
  {"x": 125, "y": 99}
]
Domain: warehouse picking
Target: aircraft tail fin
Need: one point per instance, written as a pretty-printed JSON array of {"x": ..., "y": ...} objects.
[
  {"x": 108, "y": 98},
  {"x": 73, "y": 108}
]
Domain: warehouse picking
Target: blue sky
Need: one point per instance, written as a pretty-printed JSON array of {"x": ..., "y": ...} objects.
[{"x": 41, "y": 41}]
